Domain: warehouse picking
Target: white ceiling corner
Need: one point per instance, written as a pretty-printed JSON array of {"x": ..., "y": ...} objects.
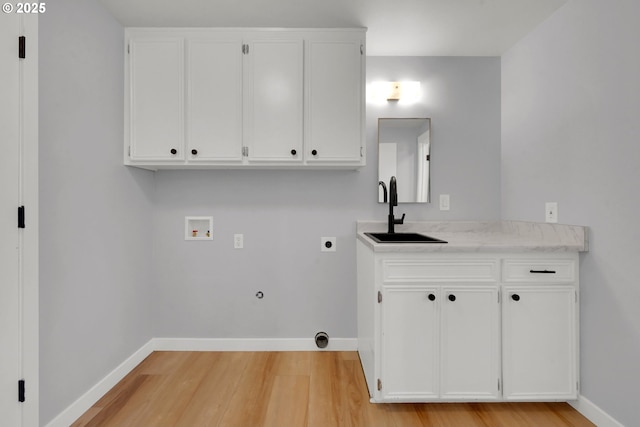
[{"x": 395, "y": 28}]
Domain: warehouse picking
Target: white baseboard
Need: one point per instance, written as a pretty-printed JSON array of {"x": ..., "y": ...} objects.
[
  {"x": 87, "y": 400},
  {"x": 251, "y": 344},
  {"x": 593, "y": 413}
]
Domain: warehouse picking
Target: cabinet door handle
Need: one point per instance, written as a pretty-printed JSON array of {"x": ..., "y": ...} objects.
[
  {"x": 542, "y": 271},
  {"x": 515, "y": 297},
  {"x": 194, "y": 152},
  {"x": 294, "y": 152},
  {"x": 174, "y": 151},
  {"x": 314, "y": 152},
  {"x": 452, "y": 297},
  {"x": 432, "y": 297}
]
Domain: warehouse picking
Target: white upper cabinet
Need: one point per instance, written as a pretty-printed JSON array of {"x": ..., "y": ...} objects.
[
  {"x": 225, "y": 98},
  {"x": 274, "y": 99},
  {"x": 155, "y": 100},
  {"x": 334, "y": 110},
  {"x": 214, "y": 109}
]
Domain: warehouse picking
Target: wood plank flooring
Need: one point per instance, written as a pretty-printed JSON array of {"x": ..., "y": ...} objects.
[{"x": 287, "y": 389}]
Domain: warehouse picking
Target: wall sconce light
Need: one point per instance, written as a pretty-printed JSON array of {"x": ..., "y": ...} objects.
[{"x": 405, "y": 92}]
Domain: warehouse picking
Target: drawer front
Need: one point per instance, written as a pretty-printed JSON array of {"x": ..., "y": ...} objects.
[
  {"x": 539, "y": 271},
  {"x": 400, "y": 271}
]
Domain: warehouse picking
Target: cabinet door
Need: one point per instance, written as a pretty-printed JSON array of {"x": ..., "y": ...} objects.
[
  {"x": 539, "y": 342},
  {"x": 409, "y": 343},
  {"x": 156, "y": 99},
  {"x": 470, "y": 343},
  {"x": 335, "y": 101},
  {"x": 214, "y": 100},
  {"x": 273, "y": 107}
]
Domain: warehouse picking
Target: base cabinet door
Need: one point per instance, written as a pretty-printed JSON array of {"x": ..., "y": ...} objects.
[
  {"x": 470, "y": 343},
  {"x": 409, "y": 344},
  {"x": 539, "y": 330}
]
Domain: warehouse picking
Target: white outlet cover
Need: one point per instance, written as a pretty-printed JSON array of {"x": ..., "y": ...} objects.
[
  {"x": 551, "y": 212},
  {"x": 238, "y": 241},
  {"x": 327, "y": 244},
  {"x": 444, "y": 202}
]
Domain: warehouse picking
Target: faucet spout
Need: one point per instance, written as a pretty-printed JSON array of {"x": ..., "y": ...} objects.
[
  {"x": 384, "y": 190},
  {"x": 393, "y": 201}
]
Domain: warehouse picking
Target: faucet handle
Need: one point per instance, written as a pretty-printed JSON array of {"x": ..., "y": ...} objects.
[{"x": 399, "y": 221}]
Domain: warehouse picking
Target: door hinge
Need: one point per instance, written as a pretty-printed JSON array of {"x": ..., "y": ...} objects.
[
  {"x": 428, "y": 157},
  {"x": 21, "y": 391},
  {"x": 22, "y": 47},
  {"x": 21, "y": 217},
  {"x": 379, "y": 297},
  {"x": 379, "y": 384}
]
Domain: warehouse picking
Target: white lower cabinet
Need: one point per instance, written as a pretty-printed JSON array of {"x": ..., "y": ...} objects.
[
  {"x": 539, "y": 334},
  {"x": 440, "y": 342},
  {"x": 468, "y": 327}
]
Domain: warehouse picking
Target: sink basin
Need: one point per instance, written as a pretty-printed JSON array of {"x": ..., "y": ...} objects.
[{"x": 403, "y": 238}]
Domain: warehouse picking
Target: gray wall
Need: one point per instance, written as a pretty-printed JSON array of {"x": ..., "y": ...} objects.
[
  {"x": 207, "y": 289},
  {"x": 570, "y": 107},
  {"x": 95, "y": 214}
]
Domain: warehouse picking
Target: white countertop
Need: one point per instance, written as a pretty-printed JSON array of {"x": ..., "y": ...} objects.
[{"x": 481, "y": 236}]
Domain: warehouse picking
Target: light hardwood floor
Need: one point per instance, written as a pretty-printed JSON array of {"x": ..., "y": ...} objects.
[{"x": 287, "y": 389}]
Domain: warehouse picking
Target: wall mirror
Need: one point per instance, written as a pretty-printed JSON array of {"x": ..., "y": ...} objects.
[{"x": 404, "y": 147}]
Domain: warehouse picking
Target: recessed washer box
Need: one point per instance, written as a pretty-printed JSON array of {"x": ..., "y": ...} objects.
[{"x": 198, "y": 228}]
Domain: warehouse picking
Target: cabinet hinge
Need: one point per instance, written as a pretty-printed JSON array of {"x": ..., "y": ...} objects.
[
  {"x": 245, "y": 151},
  {"x": 361, "y": 49},
  {"x": 498, "y": 384},
  {"x": 21, "y": 217},
  {"x": 379, "y": 384},
  {"x": 379, "y": 297},
  {"x": 361, "y": 152},
  {"x": 22, "y": 47},
  {"x": 245, "y": 49},
  {"x": 428, "y": 157},
  {"x": 21, "y": 391},
  {"x": 576, "y": 293},
  {"x": 129, "y": 151},
  {"x": 128, "y": 48}
]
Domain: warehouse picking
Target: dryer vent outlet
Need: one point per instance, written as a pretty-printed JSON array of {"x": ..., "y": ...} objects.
[{"x": 322, "y": 339}]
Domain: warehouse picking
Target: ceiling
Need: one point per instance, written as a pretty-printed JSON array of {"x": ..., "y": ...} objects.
[{"x": 395, "y": 28}]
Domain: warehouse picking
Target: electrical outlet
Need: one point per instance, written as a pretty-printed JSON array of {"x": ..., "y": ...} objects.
[
  {"x": 238, "y": 241},
  {"x": 444, "y": 202},
  {"x": 327, "y": 244},
  {"x": 551, "y": 212}
]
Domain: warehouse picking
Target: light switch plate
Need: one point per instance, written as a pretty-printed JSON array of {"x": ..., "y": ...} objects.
[
  {"x": 444, "y": 202},
  {"x": 551, "y": 212},
  {"x": 238, "y": 241}
]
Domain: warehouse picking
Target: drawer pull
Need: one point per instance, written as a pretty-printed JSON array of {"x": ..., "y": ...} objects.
[
  {"x": 515, "y": 297},
  {"x": 542, "y": 271},
  {"x": 452, "y": 297},
  {"x": 432, "y": 297}
]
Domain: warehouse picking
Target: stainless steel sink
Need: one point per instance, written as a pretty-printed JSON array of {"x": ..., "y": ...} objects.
[{"x": 403, "y": 238}]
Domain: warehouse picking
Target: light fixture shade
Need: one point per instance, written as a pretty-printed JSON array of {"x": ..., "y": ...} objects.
[{"x": 405, "y": 92}]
